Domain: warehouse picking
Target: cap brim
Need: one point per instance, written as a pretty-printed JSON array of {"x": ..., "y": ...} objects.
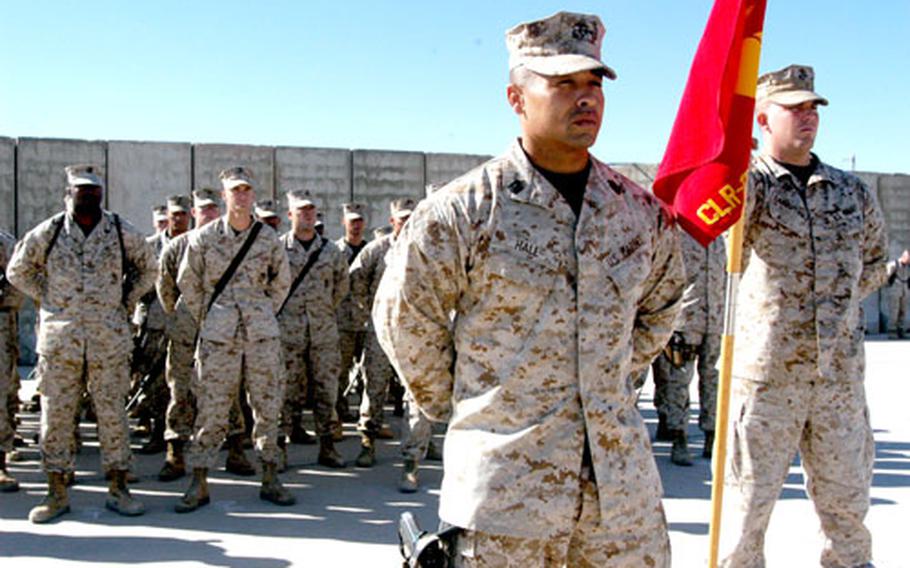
[
  {"x": 402, "y": 213},
  {"x": 204, "y": 203},
  {"x": 159, "y": 217},
  {"x": 177, "y": 209},
  {"x": 85, "y": 180},
  {"x": 353, "y": 216},
  {"x": 565, "y": 65},
  {"x": 298, "y": 203},
  {"x": 228, "y": 184},
  {"x": 792, "y": 98}
]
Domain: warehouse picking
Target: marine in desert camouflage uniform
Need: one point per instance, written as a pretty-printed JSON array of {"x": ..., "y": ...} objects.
[
  {"x": 86, "y": 284},
  {"x": 564, "y": 277},
  {"x": 309, "y": 328},
  {"x": 814, "y": 247},
  {"x": 10, "y": 302},
  {"x": 238, "y": 335}
]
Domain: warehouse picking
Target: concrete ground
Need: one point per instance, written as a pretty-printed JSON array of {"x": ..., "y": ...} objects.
[{"x": 348, "y": 517}]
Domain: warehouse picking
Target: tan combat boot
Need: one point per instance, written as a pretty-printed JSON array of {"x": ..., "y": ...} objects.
[
  {"x": 197, "y": 494},
  {"x": 236, "y": 462},
  {"x": 272, "y": 490},
  {"x": 409, "y": 482},
  {"x": 708, "y": 450},
  {"x": 679, "y": 455},
  {"x": 8, "y": 483},
  {"x": 174, "y": 464},
  {"x": 55, "y": 503},
  {"x": 328, "y": 456},
  {"x": 119, "y": 499},
  {"x": 367, "y": 456}
]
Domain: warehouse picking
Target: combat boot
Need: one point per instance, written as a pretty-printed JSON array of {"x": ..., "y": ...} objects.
[
  {"x": 174, "y": 464},
  {"x": 433, "y": 452},
  {"x": 367, "y": 456},
  {"x": 679, "y": 454},
  {"x": 328, "y": 456},
  {"x": 119, "y": 499},
  {"x": 236, "y": 462},
  {"x": 197, "y": 494},
  {"x": 708, "y": 450},
  {"x": 408, "y": 482},
  {"x": 272, "y": 490},
  {"x": 337, "y": 432},
  {"x": 8, "y": 483},
  {"x": 663, "y": 433},
  {"x": 385, "y": 432},
  {"x": 55, "y": 503}
]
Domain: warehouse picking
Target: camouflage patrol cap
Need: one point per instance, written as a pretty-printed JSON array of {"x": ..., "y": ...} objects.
[
  {"x": 178, "y": 203},
  {"x": 562, "y": 44},
  {"x": 159, "y": 213},
  {"x": 380, "y": 232},
  {"x": 298, "y": 198},
  {"x": 235, "y": 176},
  {"x": 83, "y": 174},
  {"x": 790, "y": 86},
  {"x": 352, "y": 211},
  {"x": 402, "y": 207},
  {"x": 205, "y": 196},
  {"x": 265, "y": 208}
]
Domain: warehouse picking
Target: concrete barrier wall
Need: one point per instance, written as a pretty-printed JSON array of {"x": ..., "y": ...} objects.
[
  {"x": 142, "y": 175},
  {"x": 210, "y": 159},
  {"x": 8, "y": 185},
  {"x": 380, "y": 177},
  {"x": 326, "y": 172},
  {"x": 443, "y": 168}
]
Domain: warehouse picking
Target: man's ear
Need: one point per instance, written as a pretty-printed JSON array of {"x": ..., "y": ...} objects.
[{"x": 516, "y": 99}]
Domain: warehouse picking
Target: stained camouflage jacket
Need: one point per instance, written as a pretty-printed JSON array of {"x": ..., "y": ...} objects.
[
  {"x": 365, "y": 274},
  {"x": 811, "y": 255},
  {"x": 314, "y": 303},
  {"x": 706, "y": 277},
  {"x": 246, "y": 308},
  {"x": 79, "y": 284},
  {"x": 551, "y": 317},
  {"x": 180, "y": 324}
]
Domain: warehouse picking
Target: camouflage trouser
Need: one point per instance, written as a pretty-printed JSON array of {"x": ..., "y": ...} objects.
[
  {"x": 377, "y": 374},
  {"x": 671, "y": 386},
  {"x": 154, "y": 400},
  {"x": 350, "y": 347},
  {"x": 829, "y": 424},
  {"x": 320, "y": 363},
  {"x": 590, "y": 542},
  {"x": 8, "y": 355},
  {"x": 897, "y": 295},
  {"x": 221, "y": 366},
  {"x": 181, "y": 410},
  {"x": 62, "y": 381},
  {"x": 417, "y": 436}
]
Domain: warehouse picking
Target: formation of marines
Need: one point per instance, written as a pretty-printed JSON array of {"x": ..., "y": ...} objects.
[{"x": 517, "y": 304}]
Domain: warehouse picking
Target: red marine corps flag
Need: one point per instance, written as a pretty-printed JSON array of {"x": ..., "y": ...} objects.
[{"x": 703, "y": 173}]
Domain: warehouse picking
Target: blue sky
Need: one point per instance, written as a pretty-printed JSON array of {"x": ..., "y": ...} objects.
[{"x": 415, "y": 75}]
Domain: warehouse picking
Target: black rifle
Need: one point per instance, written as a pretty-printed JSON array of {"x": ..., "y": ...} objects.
[{"x": 422, "y": 549}]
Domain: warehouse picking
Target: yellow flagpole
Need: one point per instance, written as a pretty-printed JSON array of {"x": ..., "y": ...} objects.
[{"x": 734, "y": 270}]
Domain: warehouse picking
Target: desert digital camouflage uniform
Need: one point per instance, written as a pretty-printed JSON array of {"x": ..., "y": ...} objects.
[
  {"x": 10, "y": 302},
  {"x": 84, "y": 338},
  {"x": 898, "y": 295},
  {"x": 351, "y": 336},
  {"x": 239, "y": 335},
  {"x": 811, "y": 254},
  {"x": 309, "y": 331},
  {"x": 552, "y": 314},
  {"x": 701, "y": 325},
  {"x": 365, "y": 274}
]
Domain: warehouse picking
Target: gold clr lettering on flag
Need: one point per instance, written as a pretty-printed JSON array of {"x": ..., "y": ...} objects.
[{"x": 711, "y": 212}]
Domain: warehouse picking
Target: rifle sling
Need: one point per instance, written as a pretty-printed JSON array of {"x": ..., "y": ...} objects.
[
  {"x": 303, "y": 272},
  {"x": 232, "y": 268}
]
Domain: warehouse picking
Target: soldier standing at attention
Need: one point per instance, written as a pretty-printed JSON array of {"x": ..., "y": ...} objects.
[
  {"x": 366, "y": 272},
  {"x": 350, "y": 337},
  {"x": 179, "y": 371},
  {"x": 564, "y": 277},
  {"x": 159, "y": 218},
  {"x": 233, "y": 278},
  {"x": 87, "y": 268},
  {"x": 695, "y": 345},
  {"x": 309, "y": 329},
  {"x": 813, "y": 247},
  {"x": 267, "y": 212},
  {"x": 10, "y": 302}
]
